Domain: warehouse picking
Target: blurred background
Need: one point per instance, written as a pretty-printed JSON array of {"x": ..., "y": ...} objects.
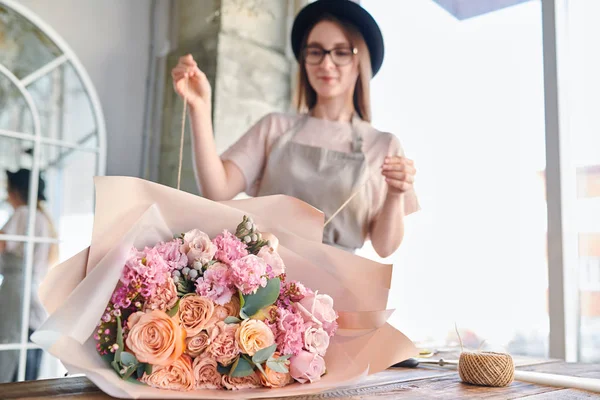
[{"x": 496, "y": 101}]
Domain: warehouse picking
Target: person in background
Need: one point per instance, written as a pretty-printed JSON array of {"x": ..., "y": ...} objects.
[
  {"x": 328, "y": 149},
  {"x": 12, "y": 267}
]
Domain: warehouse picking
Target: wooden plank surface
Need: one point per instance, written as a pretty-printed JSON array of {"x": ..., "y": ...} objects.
[{"x": 395, "y": 383}]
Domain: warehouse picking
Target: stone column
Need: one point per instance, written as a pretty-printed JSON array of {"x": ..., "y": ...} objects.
[{"x": 243, "y": 47}]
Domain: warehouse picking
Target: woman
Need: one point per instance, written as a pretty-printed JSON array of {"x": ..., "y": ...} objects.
[
  {"x": 12, "y": 264},
  {"x": 326, "y": 151}
]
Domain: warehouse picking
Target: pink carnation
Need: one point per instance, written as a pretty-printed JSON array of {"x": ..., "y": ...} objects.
[
  {"x": 288, "y": 329},
  {"x": 248, "y": 273},
  {"x": 216, "y": 284},
  {"x": 171, "y": 253},
  {"x": 229, "y": 247},
  {"x": 147, "y": 270}
]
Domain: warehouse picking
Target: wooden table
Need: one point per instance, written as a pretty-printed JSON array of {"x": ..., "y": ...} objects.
[{"x": 423, "y": 382}]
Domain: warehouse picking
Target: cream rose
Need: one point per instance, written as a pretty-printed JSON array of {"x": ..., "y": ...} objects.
[
  {"x": 205, "y": 373},
  {"x": 195, "y": 345},
  {"x": 195, "y": 313},
  {"x": 165, "y": 297},
  {"x": 156, "y": 338},
  {"x": 275, "y": 379},
  {"x": 254, "y": 335},
  {"x": 272, "y": 239},
  {"x": 198, "y": 247},
  {"x": 246, "y": 382},
  {"x": 177, "y": 376},
  {"x": 231, "y": 309},
  {"x": 316, "y": 340},
  {"x": 223, "y": 347}
]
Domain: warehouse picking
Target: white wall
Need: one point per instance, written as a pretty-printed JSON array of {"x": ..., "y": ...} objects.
[{"x": 111, "y": 38}]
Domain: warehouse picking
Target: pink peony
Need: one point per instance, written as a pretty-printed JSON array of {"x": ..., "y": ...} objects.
[
  {"x": 248, "y": 274},
  {"x": 216, "y": 284},
  {"x": 171, "y": 253},
  {"x": 198, "y": 247},
  {"x": 273, "y": 260},
  {"x": 229, "y": 247}
]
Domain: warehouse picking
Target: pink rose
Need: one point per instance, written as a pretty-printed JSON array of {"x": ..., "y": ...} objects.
[
  {"x": 248, "y": 273},
  {"x": 273, "y": 260},
  {"x": 205, "y": 373},
  {"x": 198, "y": 247},
  {"x": 318, "y": 308},
  {"x": 307, "y": 367},
  {"x": 316, "y": 340},
  {"x": 164, "y": 298},
  {"x": 223, "y": 347}
]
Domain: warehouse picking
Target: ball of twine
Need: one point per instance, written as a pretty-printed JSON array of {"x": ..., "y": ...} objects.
[{"x": 486, "y": 368}]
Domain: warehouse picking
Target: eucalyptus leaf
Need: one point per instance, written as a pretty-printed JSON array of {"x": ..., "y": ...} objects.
[
  {"x": 141, "y": 368},
  {"x": 242, "y": 300},
  {"x": 277, "y": 366},
  {"x": 242, "y": 368},
  {"x": 264, "y": 297},
  {"x": 115, "y": 366},
  {"x": 232, "y": 320},
  {"x": 174, "y": 309},
  {"x": 148, "y": 369},
  {"x": 128, "y": 359},
  {"x": 129, "y": 371},
  {"x": 234, "y": 366},
  {"x": 264, "y": 354},
  {"x": 285, "y": 357}
]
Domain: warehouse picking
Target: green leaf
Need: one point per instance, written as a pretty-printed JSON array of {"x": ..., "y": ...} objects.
[
  {"x": 148, "y": 369},
  {"x": 264, "y": 297},
  {"x": 242, "y": 300},
  {"x": 234, "y": 366},
  {"x": 174, "y": 309},
  {"x": 242, "y": 368},
  {"x": 108, "y": 358},
  {"x": 119, "y": 340},
  {"x": 128, "y": 359},
  {"x": 277, "y": 366},
  {"x": 223, "y": 370},
  {"x": 285, "y": 357},
  {"x": 264, "y": 354},
  {"x": 232, "y": 320},
  {"x": 140, "y": 370},
  {"x": 115, "y": 365}
]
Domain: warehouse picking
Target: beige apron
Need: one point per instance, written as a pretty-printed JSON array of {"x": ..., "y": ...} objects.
[{"x": 324, "y": 179}]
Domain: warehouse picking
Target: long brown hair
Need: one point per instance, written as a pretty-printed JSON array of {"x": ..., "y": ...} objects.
[{"x": 306, "y": 97}]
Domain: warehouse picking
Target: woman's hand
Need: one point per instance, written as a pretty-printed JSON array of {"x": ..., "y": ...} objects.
[
  {"x": 198, "y": 91},
  {"x": 399, "y": 173}
]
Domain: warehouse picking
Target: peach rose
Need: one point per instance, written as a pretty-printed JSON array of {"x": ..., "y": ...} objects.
[
  {"x": 223, "y": 347},
  {"x": 246, "y": 382},
  {"x": 195, "y": 312},
  {"x": 164, "y": 298},
  {"x": 254, "y": 335},
  {"x": 156, "y": 338},
  {"x": 195, "y": 345},
  {"x": 205, "y": 373},
  {"x": 231, "y": 309},
  {"x": 198, "y": 247},
  {"x": 177, "y": 376},
  {"x": 275, "y": 379},
  {"x": 134, "y": 318}
]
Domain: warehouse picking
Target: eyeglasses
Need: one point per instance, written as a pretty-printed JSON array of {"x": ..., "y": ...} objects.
[{"x": 314, "y": 55}]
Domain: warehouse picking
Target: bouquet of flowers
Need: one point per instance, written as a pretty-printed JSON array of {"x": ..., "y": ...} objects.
[
  {"x": 202, "y": 313},
  {"x": 148, "y": 312}
]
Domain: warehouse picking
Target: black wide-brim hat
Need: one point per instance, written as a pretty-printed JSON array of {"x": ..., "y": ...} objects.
[{"x": 346, "y": 11}]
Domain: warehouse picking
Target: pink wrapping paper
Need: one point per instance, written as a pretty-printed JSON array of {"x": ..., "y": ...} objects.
[{"x": 134, "y": 212}]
